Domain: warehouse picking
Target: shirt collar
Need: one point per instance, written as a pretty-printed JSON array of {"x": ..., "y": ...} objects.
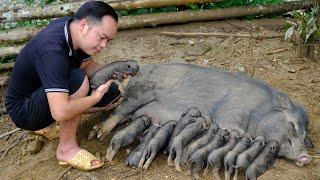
[{"x": 67, "y": 35}]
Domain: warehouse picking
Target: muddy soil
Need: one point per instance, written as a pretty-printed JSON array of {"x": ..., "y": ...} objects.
[{"x": 271, "y": 60}]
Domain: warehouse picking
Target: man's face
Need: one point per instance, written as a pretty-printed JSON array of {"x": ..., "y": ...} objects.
[{"x": 96, "y": 35}]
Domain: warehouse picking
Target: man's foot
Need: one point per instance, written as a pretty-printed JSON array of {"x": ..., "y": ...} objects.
[{"x": 80, "y": 159}]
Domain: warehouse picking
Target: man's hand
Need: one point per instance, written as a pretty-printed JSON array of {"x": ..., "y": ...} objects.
[{"x": 102, "y": 89}]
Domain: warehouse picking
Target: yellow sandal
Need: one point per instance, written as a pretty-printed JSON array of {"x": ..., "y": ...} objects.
[{"x": 82, "y": 161}]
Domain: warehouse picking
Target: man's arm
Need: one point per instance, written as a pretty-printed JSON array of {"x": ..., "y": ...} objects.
[
  {"x": 63, "y": 107},
  {"x": 90, "y": 67}
]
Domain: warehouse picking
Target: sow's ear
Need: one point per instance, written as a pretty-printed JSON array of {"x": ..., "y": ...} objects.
[{"x": 281, "y": 101}]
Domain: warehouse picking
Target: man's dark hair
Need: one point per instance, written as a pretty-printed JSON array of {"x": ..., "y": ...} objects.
[{"x": 95, "y": 10}]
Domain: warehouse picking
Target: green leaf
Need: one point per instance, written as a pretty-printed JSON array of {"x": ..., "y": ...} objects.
[
  {"x": 314, "y": 29},
  {"x": 289, "y": 33},
  {"x": 311, "y": 21}
]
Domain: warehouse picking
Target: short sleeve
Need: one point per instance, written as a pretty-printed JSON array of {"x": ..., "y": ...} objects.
[
  {"x": 53, "y": 68},
  {"x": 81, "y": 56}
]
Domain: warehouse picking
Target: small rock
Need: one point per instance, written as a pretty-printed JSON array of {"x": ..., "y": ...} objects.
[
  {"x": 103, "y": 159},
  {"x": 97, "y": 154},
  {"x": 191, "y": 42},
  {"x": 314, "y": 81},
  {"x": 190, "y": 58},
  {"x": 207, "y": 61},
  {"x": 292, "y": 71},
  {"x": 177, "y": 59},
  {"x": 35, "y": 146},
  {"x": 240, "y": 68},
  {"x": 198, "y": 49}
]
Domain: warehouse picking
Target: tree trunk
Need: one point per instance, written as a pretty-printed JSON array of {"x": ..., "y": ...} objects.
[{"x": 70, "y": 8}]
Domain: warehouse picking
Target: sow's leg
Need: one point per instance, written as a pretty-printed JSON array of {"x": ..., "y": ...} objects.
[{"x": 138, "y": 93}]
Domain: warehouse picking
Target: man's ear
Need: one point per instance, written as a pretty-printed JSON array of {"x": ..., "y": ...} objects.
[{"x": 84, "y": 26}]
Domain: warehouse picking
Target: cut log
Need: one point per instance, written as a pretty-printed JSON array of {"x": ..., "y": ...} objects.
[
  {"x": 207, "y": 15},
  {"x": 140, "y": 21},
  {"x": 70, "y": 8},
  {"x": 19, "y": 34},
  {"x": 6, "y": 66},
  {"x": 10, "y": 51}
]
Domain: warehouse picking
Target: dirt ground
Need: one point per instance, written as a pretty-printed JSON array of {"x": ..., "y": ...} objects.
[{"x": 272, "y": 60}]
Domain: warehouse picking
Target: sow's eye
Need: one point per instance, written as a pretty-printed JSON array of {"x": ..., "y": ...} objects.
[{"x": 129, "y": 66}]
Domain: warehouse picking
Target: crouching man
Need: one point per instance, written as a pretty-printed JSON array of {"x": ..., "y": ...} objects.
[{"x": 50, "y": 82}]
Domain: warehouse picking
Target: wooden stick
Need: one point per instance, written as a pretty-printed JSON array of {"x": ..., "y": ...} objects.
[
  {"x": 220, "y": 34},
  {"x": 315, "y": 157},
  {"x": 68, "y": 9},
  {"x": 9, "y": 148},
  {"x": 10, "y": 132},
  {"x": 277, "y": 51}
]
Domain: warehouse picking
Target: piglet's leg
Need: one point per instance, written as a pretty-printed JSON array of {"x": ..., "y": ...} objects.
[
  {"x": 135, "y": 155},
  {"x": 156, "y": 144},
  {"x": 127, "y": 135}
]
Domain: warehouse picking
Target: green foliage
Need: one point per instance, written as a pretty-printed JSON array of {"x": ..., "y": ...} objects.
[
  {"x": 29, "y": 2},
  {"x": 29, "y": 23},
  {"x": 232, "y": 3},
  {"x": 146, "y": 11},
  {"x": 42, "y": 2},
  {"x": 306, "y": 29},
  {"x": 8, "y": 59}
]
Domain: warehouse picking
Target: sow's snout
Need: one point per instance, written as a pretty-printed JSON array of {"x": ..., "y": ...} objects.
[{"x": 303, "y": 159}]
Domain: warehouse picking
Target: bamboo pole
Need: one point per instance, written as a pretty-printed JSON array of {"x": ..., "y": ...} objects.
[
  {"x": 128, "y": 22},
  {"x": 69, "y": 8}
]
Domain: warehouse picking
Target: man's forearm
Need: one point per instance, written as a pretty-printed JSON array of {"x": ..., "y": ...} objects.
[{"x": 63, "y": 107}]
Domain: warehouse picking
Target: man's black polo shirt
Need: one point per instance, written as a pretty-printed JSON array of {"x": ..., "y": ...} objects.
[{"x": 44, "y": 62}]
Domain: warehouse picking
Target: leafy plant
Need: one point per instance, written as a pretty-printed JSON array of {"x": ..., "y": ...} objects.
[{"x": 306, "y": 29}]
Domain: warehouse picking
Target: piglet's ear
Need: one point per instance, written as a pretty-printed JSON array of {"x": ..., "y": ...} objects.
[{"x": 281, "y": 101}]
